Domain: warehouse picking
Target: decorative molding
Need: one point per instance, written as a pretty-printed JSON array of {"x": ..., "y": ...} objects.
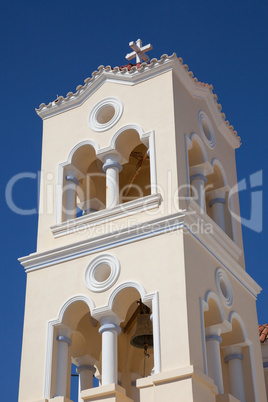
[
  {"x": 221, "y": 279},
  {"x": 107, "y": 215},
  {"x": 136, "y": 75},
  {"x": 147, "y": 229},
  {"x": 152, "y": 299},
  {"x": 113, "y": 102},
  {"x": 209, "y": 137},
  {"x": 94, "y": 270}
]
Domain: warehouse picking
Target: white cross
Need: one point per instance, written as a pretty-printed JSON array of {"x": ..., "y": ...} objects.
[{"x": 139, "y": 51}]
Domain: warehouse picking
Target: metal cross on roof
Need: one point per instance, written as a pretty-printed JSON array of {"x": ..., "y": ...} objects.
[{"x": 139, "y": 51}]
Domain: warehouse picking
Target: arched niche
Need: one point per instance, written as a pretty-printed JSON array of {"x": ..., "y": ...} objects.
[
  {"x": 214, "y": 314},
  {"x": 77, "y": 324},
  {"x": 196, "y": 151},
  {"x": 135, "y": 177},
  {"x": 217, "y": 188},
  {"x": 82, "y": 171}
]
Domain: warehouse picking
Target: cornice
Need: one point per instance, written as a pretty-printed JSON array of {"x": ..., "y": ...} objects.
[
  {"x": 107, "y": 215},
  {"x": 219, "y": 244},
  {"x": 103, "y": 242},
  {"x": 136, "y": 75}
]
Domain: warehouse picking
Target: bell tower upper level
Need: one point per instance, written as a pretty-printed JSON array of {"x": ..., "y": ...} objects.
[{"x": 134, "y": 144}]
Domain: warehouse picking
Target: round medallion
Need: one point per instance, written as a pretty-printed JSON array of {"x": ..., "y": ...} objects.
[
  {"x": 206, "y": 129},
  {"x": 105, "y": 114},
  {"x": 224, "y": 286},
  {"x": 102, "y": 272}
]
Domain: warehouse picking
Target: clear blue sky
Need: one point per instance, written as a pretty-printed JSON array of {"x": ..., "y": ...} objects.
[{"x": 48, "y": 48}]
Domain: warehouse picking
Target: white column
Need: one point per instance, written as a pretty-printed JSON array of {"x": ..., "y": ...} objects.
[
  {"x": 198, "y": 180},
  {"x": 86, "y": 372},
  {"x": 234, "y": 357},
  {"x": 112, "y": 168},
  {"x": 62, "y": 365},
  {"x": 216, "y": 202},
  {"x": 213, "y": 341},
  {"x": 70, "y": 204},
  {"x": 109, "y": 332}
]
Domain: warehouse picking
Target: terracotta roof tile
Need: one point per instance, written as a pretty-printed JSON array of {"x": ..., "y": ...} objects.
[
  {"x": 138, "y": 68},
  {"x": 263, "y": 333}
]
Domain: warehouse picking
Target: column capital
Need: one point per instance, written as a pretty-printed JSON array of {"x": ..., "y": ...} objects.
[
  {"x": 202, "y": 170},
  {"x": 232, "y": 350},
  {"x": 218, "y": 195},
  {"x": 72, "y": 179},
  {"x": 62, "y": 338},
  {"x": 110, "y": 327},
  {"x": 85, "y": 367},
  {"x": 112, "y": 164}
]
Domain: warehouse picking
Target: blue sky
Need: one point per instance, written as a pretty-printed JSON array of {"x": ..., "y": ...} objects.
[{"x": 48, "y": 48}]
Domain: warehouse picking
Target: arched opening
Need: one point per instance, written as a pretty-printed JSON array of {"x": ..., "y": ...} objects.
[
  {"x": 134, "y": 179},
  {"x": 83, "y": 185},
  {"x": 76, "y": 352},
  {"x": 237, "y": 361},
  {"x": 196, "y": 154},
  {"x": 134, "y": 361},
  {"x": 217, "y": 195}
]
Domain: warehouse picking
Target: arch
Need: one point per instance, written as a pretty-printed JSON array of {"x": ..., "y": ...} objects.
[
  {"x": 235, "y": 316},
  {"x": 80, "y": 144},
  {"x": 127, "y": 127},
  {"x": 126, "y": 285},
  {"x": 210, "y": 295},
  {"x": 89, "y": 302},
  {"x": 196, "y": 137},
  {"x": 50, "y": 337},
  {"x": 216, "y": 162}
]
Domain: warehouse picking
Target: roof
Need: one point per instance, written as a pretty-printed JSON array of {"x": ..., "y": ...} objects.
[
  {"x": 263, "y": 333},
  {"x": 131, "y": 73}
]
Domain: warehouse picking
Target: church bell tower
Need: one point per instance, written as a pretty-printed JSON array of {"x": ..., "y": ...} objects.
[{"x": 139, "y": 281}]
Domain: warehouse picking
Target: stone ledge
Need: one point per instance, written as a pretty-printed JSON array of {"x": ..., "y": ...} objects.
[
  {"x": 226, "y": 398},
  {"x": 111, "y": 393},
  {"x": 178, "y": 374}
]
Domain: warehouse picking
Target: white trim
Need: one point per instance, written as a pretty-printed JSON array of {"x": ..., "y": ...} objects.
[
  {"x": 50, "y": 332},
  {"x": 219, "y": 244},
  {"x": 219, "y": 239},
  {"x": 106, "y": 215},
  {"x": 203, "y": 308},
  {"x": 151, "y": 70},
  {"x": 196, "y": 137},
  {"x": 154, "y": 298},
  {"x": 247, "y": 342},
  {"x": 98, "y": 313},
  {"x": 147, "y": 229},
  {"x": 203, "y": 116},
  {"x": 61, "y": 167},
  {"x": 90, "y": 274},
  {"x": 93, "y": 122},
  {"x": 220, "y": 274}
]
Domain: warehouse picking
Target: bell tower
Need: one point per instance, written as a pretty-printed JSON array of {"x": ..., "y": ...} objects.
[{"x": 139, "y": 279}]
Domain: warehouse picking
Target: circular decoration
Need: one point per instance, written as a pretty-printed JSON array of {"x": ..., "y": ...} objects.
[
  {"x": 105, "y": 114},
  {"x": 102, "y": 272},
  {"x": 206, "y": 129},
  {"x": 224, "y": 286}
]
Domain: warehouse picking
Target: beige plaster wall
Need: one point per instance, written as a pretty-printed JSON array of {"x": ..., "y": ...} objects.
[
  {"x": 148, "y": 104},
  {"x": 48, "y": 289},
  {"x": 200, "y": 267}
]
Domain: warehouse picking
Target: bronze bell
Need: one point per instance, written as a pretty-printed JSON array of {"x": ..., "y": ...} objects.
[{"x": 143, "y": 337}]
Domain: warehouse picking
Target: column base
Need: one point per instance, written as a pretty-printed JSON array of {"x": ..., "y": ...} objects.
[
  {"x": 105, "y": 393},
  {"x": 226, "y": 398},
  {"x": 58, "y": 399},
  {"x": 180, "y": 385}
]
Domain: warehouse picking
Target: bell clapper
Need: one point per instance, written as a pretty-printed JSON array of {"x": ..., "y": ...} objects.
[{"x": 146, "y": 354}]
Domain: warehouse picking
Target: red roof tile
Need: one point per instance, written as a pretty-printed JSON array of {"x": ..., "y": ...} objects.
[{"x": 263, "y": 333}]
